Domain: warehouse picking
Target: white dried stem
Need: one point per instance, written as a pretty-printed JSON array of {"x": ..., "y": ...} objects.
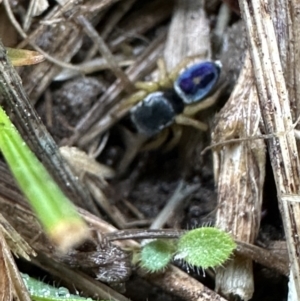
[
  {"x": 276, "y": 113},
  {"x": 189, "y": 33},
  {"x": 239, "y": 172}
]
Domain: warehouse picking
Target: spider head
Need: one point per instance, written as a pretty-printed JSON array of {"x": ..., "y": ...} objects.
[
  {"x": 197, "y": 81},
  {"x": 157, "y": 111}
]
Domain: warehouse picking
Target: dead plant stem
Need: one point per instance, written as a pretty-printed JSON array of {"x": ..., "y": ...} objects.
[{"x": 276, "y": 113}]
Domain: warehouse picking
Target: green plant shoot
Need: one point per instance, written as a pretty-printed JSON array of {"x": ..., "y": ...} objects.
[
  {"x": 57, "y": 214},
  {"x": 22, "y": 57}
]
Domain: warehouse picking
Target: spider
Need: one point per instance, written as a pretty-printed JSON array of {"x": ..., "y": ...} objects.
[
  {"x": 173, "y": 100},
  {"x": 168, "y": 104}
]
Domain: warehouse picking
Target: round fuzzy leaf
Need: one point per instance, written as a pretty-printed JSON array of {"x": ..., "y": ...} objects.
[
  {"x": 157, "y": 254},
  {"x": 205, "y": 247}
]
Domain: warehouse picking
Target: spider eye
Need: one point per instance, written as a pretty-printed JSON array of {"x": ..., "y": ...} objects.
[
  {"x": 197, "y": 81},
  {"x": 153, "y": 114}
]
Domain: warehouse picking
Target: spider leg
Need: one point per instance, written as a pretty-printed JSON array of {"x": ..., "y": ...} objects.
[
  {"x": 147, "y": 87},
  {"x": 132, "y": 100},
  {"x": 157, "y": 142},
  {"x": 193, "y": 109},
  {"x": 133, "y": 143},
  {"x": 173, "y": 74},
  {"x": 188, "y": 121},
  {"x": 162, "y": 68},
  {"x": 177, "y": 133},
  {"x": 163, "y": 81}
]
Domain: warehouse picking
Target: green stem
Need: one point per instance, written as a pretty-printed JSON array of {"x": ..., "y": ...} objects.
[{"x": 52, "y": 207}]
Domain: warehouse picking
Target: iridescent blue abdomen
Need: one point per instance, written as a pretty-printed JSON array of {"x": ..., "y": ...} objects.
[{"x": 197, "y": 81}]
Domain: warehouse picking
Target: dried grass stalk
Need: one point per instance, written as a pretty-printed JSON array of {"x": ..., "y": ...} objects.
[
  {"x": 276, "y": 112},
  {"x": 239, "y": 172},
  {"x": 11, "y": 284}
]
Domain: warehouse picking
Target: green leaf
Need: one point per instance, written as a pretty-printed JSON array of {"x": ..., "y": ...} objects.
[
  {"x": 205, "y": 247},
  {"x": 157, "y": 254}
]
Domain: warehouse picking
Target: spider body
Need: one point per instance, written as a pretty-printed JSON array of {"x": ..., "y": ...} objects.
[
  {"x": 167, "y": 104},
  {"x": 156, "y": 112},
  {"x": 159, "y": 110}
]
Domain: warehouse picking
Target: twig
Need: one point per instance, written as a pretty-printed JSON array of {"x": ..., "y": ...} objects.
[
  {"x": 92, "y": 66},
  {"x": 106, "y": 53},
  {"x": 222, "y": 20},
  {"x": 263, "y": 257},
  {"x": 36, "y": 8},
  {"x": 182, "y": 192}
]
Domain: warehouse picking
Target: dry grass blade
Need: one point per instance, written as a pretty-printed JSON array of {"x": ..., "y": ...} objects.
[
  {"x": 65, "y": 42},
  {"x": 276, "y": 112},
  {"x": 5, "y": 281},
  {"x": 106, "y": 53},
  {"x": 11, "y": 283},
  {"x": 36, "y": 8},
  {"x": 240, "y": 173},
  {"x": 16, "y": 243}
]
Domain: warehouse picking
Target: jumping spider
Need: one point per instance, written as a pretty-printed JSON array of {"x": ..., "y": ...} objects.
[{"x": 169, "y": 103}]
